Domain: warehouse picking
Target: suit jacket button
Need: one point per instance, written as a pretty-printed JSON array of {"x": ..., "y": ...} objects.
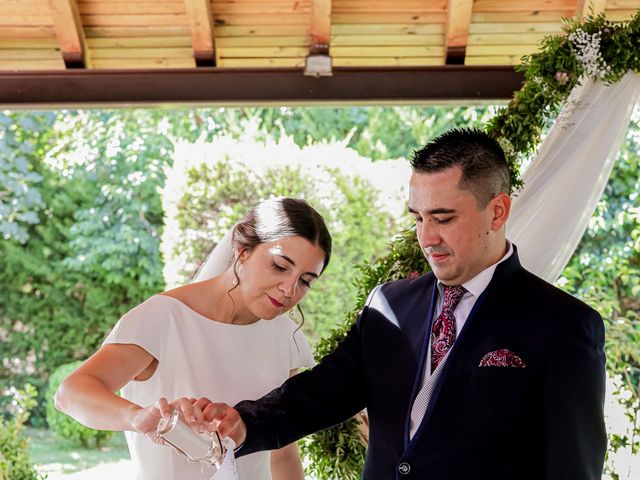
[{"x": 404, "y": 468}]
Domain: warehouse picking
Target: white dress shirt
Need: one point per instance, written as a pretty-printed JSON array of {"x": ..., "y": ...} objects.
[{"x": 474, "y": 288}]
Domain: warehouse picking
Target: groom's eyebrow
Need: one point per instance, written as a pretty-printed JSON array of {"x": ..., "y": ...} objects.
[
  {"x": 437, "y": 211},
  {"x": 434, "y": 211},
  {"x": 288, "y": 259}
]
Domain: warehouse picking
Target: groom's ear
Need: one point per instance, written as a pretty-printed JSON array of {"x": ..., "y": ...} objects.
[{"x": 500, "y": 209}]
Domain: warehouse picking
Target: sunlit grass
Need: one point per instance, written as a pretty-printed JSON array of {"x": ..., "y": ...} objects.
[{"x": 53, "y": 455}]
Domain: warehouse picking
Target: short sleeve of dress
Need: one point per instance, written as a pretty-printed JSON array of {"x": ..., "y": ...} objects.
[
  {"x": 300, "y": 355},
  {"x": 144, "y": 325}
]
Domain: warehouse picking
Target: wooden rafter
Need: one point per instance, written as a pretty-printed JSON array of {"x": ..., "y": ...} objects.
[
  {"x": 68, "y": 27},
  {"x": 318, "y": 62},
  {"x": 588, "y": 7},
  {"x": 320, "y": 26},
  {"x": 202, "y": 35},
  {"x": 457, "y": 32}
]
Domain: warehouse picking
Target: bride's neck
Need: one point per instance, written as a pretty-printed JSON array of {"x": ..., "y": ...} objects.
[{"x": 227, "y": 300}]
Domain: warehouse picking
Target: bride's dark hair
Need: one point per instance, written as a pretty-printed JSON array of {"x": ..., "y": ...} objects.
[{"x": 281, "y": 217}]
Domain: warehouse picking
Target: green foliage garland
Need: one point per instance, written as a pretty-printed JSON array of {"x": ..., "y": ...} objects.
[{"x": 550, "y": 75}]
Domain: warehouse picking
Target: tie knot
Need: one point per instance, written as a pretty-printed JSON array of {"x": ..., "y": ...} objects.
[{"x": 452, "y": 295}]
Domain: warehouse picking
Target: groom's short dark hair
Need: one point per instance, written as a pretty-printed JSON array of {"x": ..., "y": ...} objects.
[{"x": 485, "y": 171}]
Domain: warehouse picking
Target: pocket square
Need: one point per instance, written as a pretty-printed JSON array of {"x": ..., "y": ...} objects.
[{"x": 502, "y": 358}]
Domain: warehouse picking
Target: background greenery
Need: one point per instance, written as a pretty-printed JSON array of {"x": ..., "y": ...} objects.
[
  {"x": 15, "y": 462},
  {"x": 89, "y": 250},
  {"x": 84, "y": 204},
  {"x": 81, "y": 214},
  {"x": 605, "y": 272},
  {"x": 57, "y": 456}
]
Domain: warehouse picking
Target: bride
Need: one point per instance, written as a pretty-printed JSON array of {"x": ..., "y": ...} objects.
[{"x": 224, "y": 337}]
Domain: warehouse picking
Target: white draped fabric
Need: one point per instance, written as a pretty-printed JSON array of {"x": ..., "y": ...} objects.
[{"x": 563, "y": 184}]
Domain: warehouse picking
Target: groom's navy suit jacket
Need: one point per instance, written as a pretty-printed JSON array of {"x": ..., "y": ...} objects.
[{"x": 543, "y": 421}]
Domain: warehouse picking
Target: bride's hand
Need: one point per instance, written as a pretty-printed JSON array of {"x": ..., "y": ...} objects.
[{"x": 145, "y": 420}]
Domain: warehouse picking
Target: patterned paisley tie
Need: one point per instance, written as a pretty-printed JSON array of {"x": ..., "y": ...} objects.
[{"x": 443, "y": 333}]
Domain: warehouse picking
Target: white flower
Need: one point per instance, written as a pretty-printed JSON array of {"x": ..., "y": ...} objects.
[
  {"x": 507, "y": 147},
  {"x": 587, "y": 50}
]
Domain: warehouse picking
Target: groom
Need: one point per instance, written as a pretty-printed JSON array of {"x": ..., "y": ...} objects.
[{"x": 478, "y": 370}]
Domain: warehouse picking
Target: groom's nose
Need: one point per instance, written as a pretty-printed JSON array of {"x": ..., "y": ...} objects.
[{"x": 427, "y": 234}]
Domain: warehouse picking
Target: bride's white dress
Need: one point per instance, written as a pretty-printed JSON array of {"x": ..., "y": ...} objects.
[{"x": 199, "y": 357}]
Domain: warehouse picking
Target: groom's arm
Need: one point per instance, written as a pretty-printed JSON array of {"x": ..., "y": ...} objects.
[
  {"x": 313, "y": 400},
  {"x": 575, "y": 436},
  {"x": 326, "y": 395}
]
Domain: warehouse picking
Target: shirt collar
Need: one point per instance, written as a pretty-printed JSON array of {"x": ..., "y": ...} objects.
[{"x": 478, "y": 284}]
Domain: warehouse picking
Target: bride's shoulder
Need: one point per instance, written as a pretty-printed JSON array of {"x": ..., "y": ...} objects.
[
  {"x": 179, "y": 293},
  {"x": 151, "y": 307},
  {"x": 192, "y": 293}
]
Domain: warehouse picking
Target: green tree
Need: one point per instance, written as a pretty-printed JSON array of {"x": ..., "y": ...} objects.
[
  {"x": 116, "y": 236},
  {"x": 21, "y": 135},
  {"x": 94, "y": 251},
  {"x": 377, "y": 133}
]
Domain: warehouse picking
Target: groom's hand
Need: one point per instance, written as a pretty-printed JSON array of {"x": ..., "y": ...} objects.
[{"x": 225, "y": 419}]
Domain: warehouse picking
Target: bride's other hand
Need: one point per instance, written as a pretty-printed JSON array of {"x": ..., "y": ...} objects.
[{"x": 145, "y": 420}]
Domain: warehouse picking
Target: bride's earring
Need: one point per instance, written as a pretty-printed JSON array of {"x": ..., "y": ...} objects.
[{"x": 237, "y": 272}]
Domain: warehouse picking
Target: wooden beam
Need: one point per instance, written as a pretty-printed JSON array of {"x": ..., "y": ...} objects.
[
  {"x": 202, "y": 35},
  {"x": 457, "y": 32},
  {"x": 589, "y": 7},
  {"x": 523, "y": 5},
  {"x": 68, "y": 27},
  {"x": 282, "y": 86}
]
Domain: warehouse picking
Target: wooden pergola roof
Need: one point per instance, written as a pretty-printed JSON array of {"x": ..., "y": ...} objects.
[{"x": 214, "y": 50}]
